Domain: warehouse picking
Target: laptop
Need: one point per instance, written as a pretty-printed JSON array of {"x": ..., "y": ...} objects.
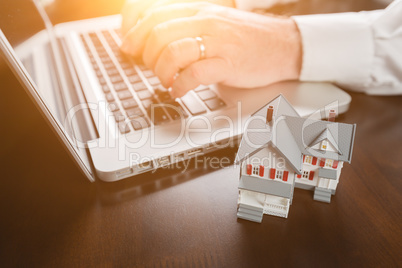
[{"x": 112, "y": 114}]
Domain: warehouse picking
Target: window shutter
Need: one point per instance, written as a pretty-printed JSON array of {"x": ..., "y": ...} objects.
[
  {"x": 304, "y": 157},
  {"x": 322, "y": 162},
  {"x": 314, "y": 162},
  {"x": 261, "y": 171},
  {"x": 299, "y": 176},
  {"x": 311, "y": 176},
  {"x": 272, "y": 173},
  {"x": 335, "y": 165},
  {"x": 285, "y": 175},
  {"x": 249, "y": 168}
]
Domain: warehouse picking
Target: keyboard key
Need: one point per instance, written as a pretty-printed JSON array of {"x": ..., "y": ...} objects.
[
  {"x": 112, "y": 72},
  {"x": 200, "y": 88},
  {"x": 109, "y": 97},
  {"x": 192, "y": 104},
  {"x": 163, "y": 95},
  {"x": 105, "y": 89},
  {"x": 144, "y": 94},
  {"x": 98, "y": 73},
  {"x": 215, "y": 104},
  {"x": 148, "y": 73},
  {"x": 118, "y": 116},
  {"x": 175, "y": 110},
  {"x": 102, "y": 80},
  {"x": 134, "y": 78},
  {"x": 130, "y": 71},
  {"x": 120, "y": 86},
  {"x": 139, "y": 123},
  {"x": 148, "y": 102},
  {"x": 116, "y": 79},
  {"x": 113, "y": 107},
  {"x": 109, "y": 65},
  {"x": 124, "y": 95},
  {"x": 206, "y": 94},
  {"x": 129, "y": 104},
  {"x": 153, "y": 81},
  {"x": 134, "y": 112},
  {"x": 157, "y": 114},
  {"x": 139, "y": 86},
  {"x": 126, "y": 65},
  {"x": 124, "y": 127}
]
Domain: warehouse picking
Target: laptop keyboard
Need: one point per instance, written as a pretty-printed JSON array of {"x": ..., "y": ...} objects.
[{"x": 134, "y": 94}]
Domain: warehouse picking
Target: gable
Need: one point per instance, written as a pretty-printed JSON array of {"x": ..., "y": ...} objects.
[{"x": 327, "y": 137}]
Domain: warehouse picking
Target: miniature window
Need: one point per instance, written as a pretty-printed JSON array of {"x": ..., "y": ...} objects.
[
  {"x": 324, "y": 145},
  {"x": 306, "y": 174},
  {"x": 279, "y": 174},
  {"x": 308, "y": 159},
  {"x": 256, "y": 170},
  {"x": 329, "y": 163}
]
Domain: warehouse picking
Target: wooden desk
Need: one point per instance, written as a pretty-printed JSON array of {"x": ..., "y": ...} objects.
[{"x": 51, "y": 216}]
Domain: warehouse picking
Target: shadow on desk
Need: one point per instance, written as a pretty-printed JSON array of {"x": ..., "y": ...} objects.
[{"x": 112, "y": 193}]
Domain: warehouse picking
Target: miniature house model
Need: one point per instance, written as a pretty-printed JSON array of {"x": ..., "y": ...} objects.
[{"x": 281, "y": 150}]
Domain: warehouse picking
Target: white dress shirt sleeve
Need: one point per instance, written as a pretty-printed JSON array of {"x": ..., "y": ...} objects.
[{"x": 360, "y": 51}]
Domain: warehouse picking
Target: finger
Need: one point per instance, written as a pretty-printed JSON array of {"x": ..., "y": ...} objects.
[
  {"x": 205, "y": 72},
  {"x": 170, "y": 31},
  {"x": 175, "y": 57},
  {"x": 135, "y": 39},
  {"x": 131, "y": 12}
]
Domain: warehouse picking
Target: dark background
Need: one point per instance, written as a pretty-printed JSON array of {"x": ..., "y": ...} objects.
[{"x": 52, "y": 216}]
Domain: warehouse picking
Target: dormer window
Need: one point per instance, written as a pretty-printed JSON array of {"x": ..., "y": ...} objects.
[{"x": 324, "y": 145}]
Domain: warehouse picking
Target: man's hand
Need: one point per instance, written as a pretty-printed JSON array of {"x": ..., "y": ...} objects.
[
  {"x": 134, "y": 10},
  {"x": 242, "y": 49}
]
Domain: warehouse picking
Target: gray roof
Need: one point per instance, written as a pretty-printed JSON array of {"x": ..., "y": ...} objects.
[
  {"x": 293, "y": 136},
  {"x": 252, "y": 140},
  {"x": 266, "y": 186},
  {"x": 286, "y": 145},
  {"x": 305, "y": 131}
]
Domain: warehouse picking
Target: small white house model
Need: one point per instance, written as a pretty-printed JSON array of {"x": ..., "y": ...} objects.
[{"x": 281, "y": 150}]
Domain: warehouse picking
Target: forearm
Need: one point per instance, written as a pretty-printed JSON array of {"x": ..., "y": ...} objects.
[{"x": 359, "y": 51}]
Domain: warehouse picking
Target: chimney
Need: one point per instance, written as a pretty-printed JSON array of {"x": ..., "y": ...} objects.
[
  {"x": 270, "y": 113},
  {"x": 332, "y": 115}
]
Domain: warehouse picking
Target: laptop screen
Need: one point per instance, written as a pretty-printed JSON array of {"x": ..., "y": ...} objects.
[
  {"x": 25, "y": 30},
  {"x": 20, "y": 21}
]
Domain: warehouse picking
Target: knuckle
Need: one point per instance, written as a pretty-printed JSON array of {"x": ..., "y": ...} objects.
[{"x": 174, "y": 50}]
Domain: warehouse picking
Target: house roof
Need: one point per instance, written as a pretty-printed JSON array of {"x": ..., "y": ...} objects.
[
  {"x": 258, "y": 134},
  {"x": 305, "y": 131},
  {"x": 293, "y": 136}
]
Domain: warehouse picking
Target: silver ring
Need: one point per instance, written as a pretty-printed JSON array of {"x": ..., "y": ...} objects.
[{"x": 201, "y": 45}]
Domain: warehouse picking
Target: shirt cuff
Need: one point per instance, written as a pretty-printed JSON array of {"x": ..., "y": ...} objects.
[{"x": 336, "y": 47}]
